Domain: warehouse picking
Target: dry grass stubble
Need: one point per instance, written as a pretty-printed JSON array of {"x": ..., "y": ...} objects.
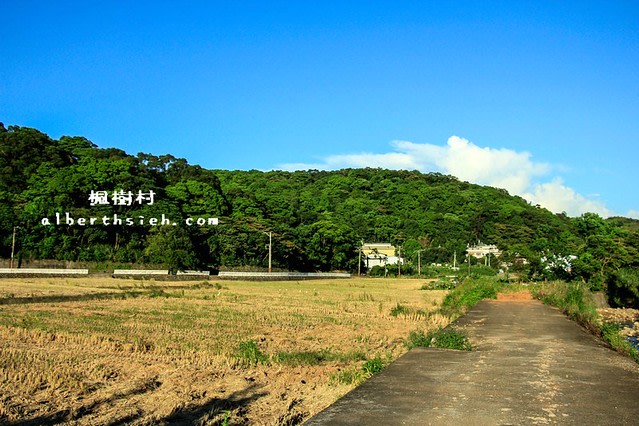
[{"x": 145, "y": 352}]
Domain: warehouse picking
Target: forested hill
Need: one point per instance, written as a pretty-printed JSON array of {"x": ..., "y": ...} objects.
[{"x": 318, "y": 218}]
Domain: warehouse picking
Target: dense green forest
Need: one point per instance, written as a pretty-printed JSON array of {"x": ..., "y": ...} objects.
[{"x": 318, "y": 219}]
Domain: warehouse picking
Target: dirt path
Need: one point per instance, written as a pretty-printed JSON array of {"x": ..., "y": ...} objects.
[{"x": 530, "y": 366}]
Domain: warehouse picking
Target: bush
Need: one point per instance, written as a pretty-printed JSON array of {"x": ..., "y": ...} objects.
[
  {"x": 418, "y": 339},
  {"x": 451, "y": 338},
  {"x": 623, "y": 288}
]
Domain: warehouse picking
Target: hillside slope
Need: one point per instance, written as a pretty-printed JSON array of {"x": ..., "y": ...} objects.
[{"x": 318, "y": 218}]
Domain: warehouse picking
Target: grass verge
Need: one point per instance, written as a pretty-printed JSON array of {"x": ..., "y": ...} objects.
[
  {"x": 468, "y": 293},
  {"x": 577, "y": 302}
]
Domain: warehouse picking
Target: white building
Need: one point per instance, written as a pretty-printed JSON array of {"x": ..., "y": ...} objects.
[
  {"x": 482, "y": 250},
  {"x": 379, "y": 254}
]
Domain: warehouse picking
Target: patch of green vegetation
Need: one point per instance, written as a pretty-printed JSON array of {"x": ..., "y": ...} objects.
[
  {"x": 611, "y": 334},
  {"x": 468, "y": 293},
  {"x": 418, "y": 339},
  {"x": 401, "y": 310},
  {"x": 347, "y": 377},
  {"x": 373, "y": 366},
  {"x": 355, "y": 375},
  {"x": 250, "y": 355},
  {"x": 317, "y": 357},
  {"x": 441, "y": 284},
  {"x": 447, "y": 338},
  {"x": 451, "y": 338}
]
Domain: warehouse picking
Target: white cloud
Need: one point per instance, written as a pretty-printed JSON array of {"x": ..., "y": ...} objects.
[
  {"x": 502, "y": 168},
  {"x": 634, "y": 214},
  {"x": 557, "y": 197}
]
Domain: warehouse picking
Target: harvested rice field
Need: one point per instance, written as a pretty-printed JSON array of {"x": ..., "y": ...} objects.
[{"x": 93, "y": 351}]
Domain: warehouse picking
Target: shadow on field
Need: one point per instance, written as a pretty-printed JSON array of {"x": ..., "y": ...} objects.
[
  {"x": 76, "y": 413},
  {"x": 237, "y": 401},
  {"x": 126, "y": 293},
  {"x": 214, "y": 410}
]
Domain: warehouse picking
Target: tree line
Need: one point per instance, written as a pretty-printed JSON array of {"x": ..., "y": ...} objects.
[{"x": 318, "y": 219}]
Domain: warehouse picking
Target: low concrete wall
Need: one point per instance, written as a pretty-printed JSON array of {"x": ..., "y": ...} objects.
[
  {"x": 160, "y": 274},
  {"x": 41, "y": 272},
  {"x": 140, "y": 272},
  {"x": 280, "y": 276},
  {"x": 194, "y": 273}
]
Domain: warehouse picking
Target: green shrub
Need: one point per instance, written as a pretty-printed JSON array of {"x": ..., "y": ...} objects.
[
  {"x": 451, "y": 338},
  {"x": 623, "y": 288},
  {"x": 418, "y": 339}
]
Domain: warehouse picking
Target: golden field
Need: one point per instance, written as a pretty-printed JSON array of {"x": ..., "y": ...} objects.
[{"x": 106, "y": 351}]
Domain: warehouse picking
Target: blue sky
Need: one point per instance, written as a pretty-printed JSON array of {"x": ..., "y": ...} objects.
[{"x": 541, "y": 98}]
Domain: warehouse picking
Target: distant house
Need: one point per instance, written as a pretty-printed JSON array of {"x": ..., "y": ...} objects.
[
  {"x": 379, "y": 254},
  {"x": 482, "y": 250}
]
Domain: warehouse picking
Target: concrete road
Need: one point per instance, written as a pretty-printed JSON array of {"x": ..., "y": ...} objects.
[{"x": 530, "y": 366}]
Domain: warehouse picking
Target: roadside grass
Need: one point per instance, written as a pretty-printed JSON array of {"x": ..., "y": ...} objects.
[
  {"x": 463, "y": 296},
  {"x": 468, "y": 293},
  {"x": 578, "y": 303},
  {"x": 356, "y": 375}
]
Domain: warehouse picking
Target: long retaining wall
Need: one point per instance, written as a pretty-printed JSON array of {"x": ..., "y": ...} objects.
[
  {"x": 41, "y": 272},
  {"x": 160, "y": 274},
  {"x": 165, "y": 275},
  {"x": 280, "y": 276}
]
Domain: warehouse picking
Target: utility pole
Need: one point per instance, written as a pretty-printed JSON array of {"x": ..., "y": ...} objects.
[
  {"x": 270, "y": 250},
  {"x": 359, "y": 260},
  {"x": 399, "y": 262},
  {"x": 13, "y": 244},
  {"x": 419, "y": 263},
  {"x": 454, "y": 260}
]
